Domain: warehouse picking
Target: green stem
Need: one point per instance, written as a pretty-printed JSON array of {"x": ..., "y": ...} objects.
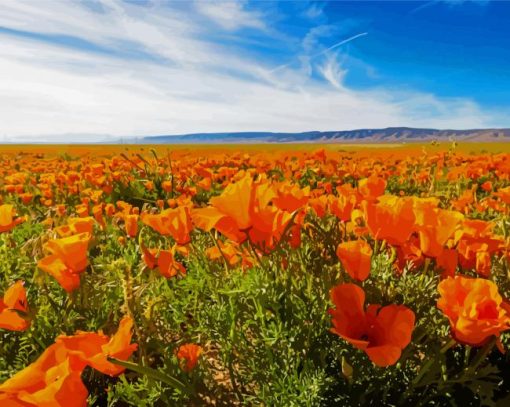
[
  {"x": 480, "y": 356},
  {"x": 154, "y": 374}
]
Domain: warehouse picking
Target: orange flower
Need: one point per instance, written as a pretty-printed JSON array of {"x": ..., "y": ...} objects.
[
  {"x": 48, "y": 382},
  {"x": 371, "y": 187},
  {"x": 75, "y": 226},
  {"x": 504, "y": 194},
  {"x": 291, "y": 198},
  {"x": 165, "y": 260},
  {"x": 229, "y": 250},
  {"x": 234, "y": 206},
  {"x": 409, "y": 254},
  {"x": 319, "y": 205},
  {"x": 244, "y": 210},
  {"x": 174, "y": 222},
  {"x": 131, "y": 225},
  {"x": 92, "y": 348},
  {"x": 54, "y": 379},
  {"x": 7, "y": 221},
  {"x": 448, "y": 261},
  {"x": 391, "y": 219},
  {"x": 355, "y": 257},
  {"x": 382, "y": 332},
  {"x": 343, "y": 205},
  {"x": 474, "y": 308},
  {"x": 435, "y": 226},
  {"x": 67, "y": 260},
  {"x": 167, "y": 265},
  {"x": 12, "y": 307},
  {"x": 188, "y": 355}
]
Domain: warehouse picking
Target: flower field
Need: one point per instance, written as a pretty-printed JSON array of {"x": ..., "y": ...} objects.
[{"x": 254, "y": 275}]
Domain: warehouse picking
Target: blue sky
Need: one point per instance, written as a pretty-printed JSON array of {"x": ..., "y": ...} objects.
[{"x": 99, "y": 69}]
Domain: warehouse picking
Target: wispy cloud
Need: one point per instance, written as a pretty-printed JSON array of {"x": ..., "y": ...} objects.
[
  {"x": 179, "y": 80},
  {"x": 450, "y": 3},
  {"x": 230, "y": 15},
  {"x": 333, "y": 71},
  {"x": 309, "y": 45}
]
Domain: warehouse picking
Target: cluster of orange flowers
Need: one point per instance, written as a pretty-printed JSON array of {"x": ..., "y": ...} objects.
[
  {"x": 54, "y": 379},
  {"x": 250, "y": 204}
]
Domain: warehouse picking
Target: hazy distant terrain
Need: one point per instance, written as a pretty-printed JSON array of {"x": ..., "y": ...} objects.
[{"x": 388, "y": 135}]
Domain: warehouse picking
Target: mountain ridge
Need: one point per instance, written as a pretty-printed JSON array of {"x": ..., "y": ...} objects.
[{"x": 385, "y": 135}]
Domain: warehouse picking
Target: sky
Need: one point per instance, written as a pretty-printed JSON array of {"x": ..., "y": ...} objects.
[{"x": 94, "y": 70}]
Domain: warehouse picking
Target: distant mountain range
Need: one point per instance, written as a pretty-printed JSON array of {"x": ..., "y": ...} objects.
[{"x": 388, "y": 135}]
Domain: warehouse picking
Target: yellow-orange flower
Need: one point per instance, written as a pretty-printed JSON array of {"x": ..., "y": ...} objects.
[
  {"x": 355, "y": 257},
  {"x": 67, "y": 259},
  {"x": 381, "y": 332},
  {"x": 13, "y": 308},
  {"x": 474, "y": 308}
]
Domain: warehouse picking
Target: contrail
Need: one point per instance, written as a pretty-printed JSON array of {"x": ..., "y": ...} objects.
[{"x": 338, "y": 44}]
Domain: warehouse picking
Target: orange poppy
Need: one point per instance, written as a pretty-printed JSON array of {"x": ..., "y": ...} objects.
[
  {"x": 75, "y": 226},
  {"x": 7, "y": 220},
  {"x": 131, "y": 224},
  {"x": 291, "y": 197},
  {"x": 54, "y": 379},
  {"x": 343, "y": 205},
  {"x": 372, "y": 187},
  {"x": 92, "y": 348},
  {"x": 355, "y": 257},
  {"x": 381, "y": 332},
  {"x": 391, "y": 218},
  {"x": 409, "y": 254},
  {"x": 188, "y": 355},
  {"x": 50, "y": 381},
  {"x": 13, "y": 308},
  {"x": 243, "y": 210},
  {"x": 171, "y": 222},
  {"x": 67, "y": 259},
  {"x": 448, "y": 261},
  {"x": 474, "y": 308},
  {"x": 164, "y": 260},
  {"x": 435, "y": 226}
]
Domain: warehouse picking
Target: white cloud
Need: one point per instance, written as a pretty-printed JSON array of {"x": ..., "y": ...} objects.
[
  {"x": 314, "y": 11},
  {"x": 333, "y": 71},
  {"x": 231, "y": 15},
  {"x": 50, "y": 92}
]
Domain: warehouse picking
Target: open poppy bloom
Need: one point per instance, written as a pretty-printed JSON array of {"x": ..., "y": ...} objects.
[
  {"x": 391, "y": 218},
  {"x": 189, "y": 354},
  {"x": 435, "y": 226},
  {"x": 164, "y": 260},
  {"x": 51, "y": 381},
  {"x": 92, "y": 348},
  {"x": 343, "y": 205},
  {"x": 7, "y": 220},
  {"x": 54, "y": 379},
  {"x": 355, "y": 257},
  {"x": 290, "y": 197},
  {"x": 244, "y": 210},
  {"x": 382, "y": 332},
  {"x": 12, "y": 307},
  {"x": 372, "y": 187},
  {"x": 171, "y": 222},
  {"x": 474, "y": 308},
  {"x": 229, "y": 213},
  {"x": 67, "y": 259},
  {"x": 76, "y": 226}
]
